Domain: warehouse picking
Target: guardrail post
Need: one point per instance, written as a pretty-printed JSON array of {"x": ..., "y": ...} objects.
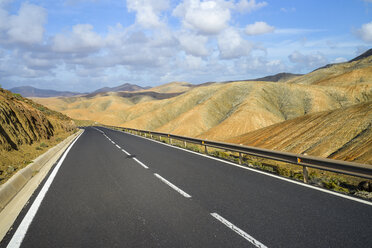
[
  {"x": 170, "y": 141},
  {"x": 305, "y": 174},
  {"x": 240, "y": 158},
  {"x": 184, "y": 143},
  {"x": 205, "y": 148}
]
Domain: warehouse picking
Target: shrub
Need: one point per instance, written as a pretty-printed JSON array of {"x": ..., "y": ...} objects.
[{"x": 43, "y": 145}]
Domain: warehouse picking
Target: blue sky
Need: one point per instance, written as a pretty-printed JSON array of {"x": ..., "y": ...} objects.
[{"x": 82, "y": 45}]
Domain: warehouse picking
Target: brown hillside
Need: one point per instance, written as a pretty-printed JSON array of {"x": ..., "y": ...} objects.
[
  {"x": 216, "y": 111},
  {"x": 344, "y": 134},
  {"x": 23, "y": 121},
  {"x": 173, "y": 87},
  {"x": 27, "y": 129}
]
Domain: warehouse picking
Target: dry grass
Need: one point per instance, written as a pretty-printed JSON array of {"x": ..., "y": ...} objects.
[
  {"x": 27, "y": 129},
  {"x": 13, "y": 161}
]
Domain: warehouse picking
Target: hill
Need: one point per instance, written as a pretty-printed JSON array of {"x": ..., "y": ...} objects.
[
  {"x": 123, "y": 87},
  {"x": 28, "y": 91},
  {"x": 26, "y": 129},
  {"x": 344, "y": 134},
  {"x": 173, "y": 87},
  {"x": 107, "y": 107},
  {"x": 280, "y": 77},
  {"x": 216, "y": 111}
]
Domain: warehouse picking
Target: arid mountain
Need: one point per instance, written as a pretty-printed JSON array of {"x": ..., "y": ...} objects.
[
  {"x": 123, "y": 87},
  {"x": 216, "y": 111},
  {"x": 107, "y": 107},
  {"x": 344, "y": 134},
  {"x": 28, "y": 91},
  {"x": 219, "y": 111},
  {"x": 173, "y": 87}
]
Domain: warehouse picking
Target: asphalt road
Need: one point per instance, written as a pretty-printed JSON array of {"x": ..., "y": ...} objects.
[{"x": 118, "y": 190}]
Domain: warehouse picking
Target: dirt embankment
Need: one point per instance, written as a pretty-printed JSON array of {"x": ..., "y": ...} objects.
[{"x": 27, "y": 129}]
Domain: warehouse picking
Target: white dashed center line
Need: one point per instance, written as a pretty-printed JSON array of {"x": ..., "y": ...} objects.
[
  {"x": 142, "y": 164},
  {"x": 238, "y": 231},
  {"x": 173, "y": 186}
]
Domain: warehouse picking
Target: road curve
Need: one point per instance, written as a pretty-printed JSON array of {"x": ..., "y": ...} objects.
[{"x": 117, "y": 190}]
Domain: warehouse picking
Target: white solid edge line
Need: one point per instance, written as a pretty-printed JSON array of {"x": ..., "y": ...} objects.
[
  {"x": 173, "y": 186},
  {"x": 258, "y": 171},
  {"x": 239, "y": 231},
  {"x": 19, "y": 235},
  {"x": 142, "y": 164}
]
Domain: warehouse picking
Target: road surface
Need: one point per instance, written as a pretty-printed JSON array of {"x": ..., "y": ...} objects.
[{"x": 114, "y": 189}]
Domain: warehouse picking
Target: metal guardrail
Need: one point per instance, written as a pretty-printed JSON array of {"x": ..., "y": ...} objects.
[{"x": 338, "y": 166}]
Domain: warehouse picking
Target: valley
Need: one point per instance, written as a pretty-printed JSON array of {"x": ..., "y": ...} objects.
[{"x": 241, "y": 109}]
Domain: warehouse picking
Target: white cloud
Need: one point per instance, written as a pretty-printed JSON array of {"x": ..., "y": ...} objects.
[
  {"x": 249, "y": 6},
  {"x": 82, "y": 39},
  {"x": 193, "y": 44},
  {"x": 27, "y": 27},
  {"x": 148, "y": 11},
  {"x": 259, "y": 66},
  {"x": 208, "y": 17},
  {"x": 232, "y": 45},
  {"x": 258, "y": 28},
  {"x": 308, "y": 61},
  {"x": 193, "y": 62},
  {"x": 3, "y": 20},
  {"x": 365, "y": 32}
]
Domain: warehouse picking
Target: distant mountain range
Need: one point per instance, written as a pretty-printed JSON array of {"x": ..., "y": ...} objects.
[{"x": 29, "y": 91}]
